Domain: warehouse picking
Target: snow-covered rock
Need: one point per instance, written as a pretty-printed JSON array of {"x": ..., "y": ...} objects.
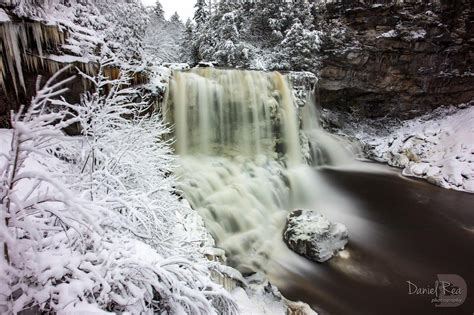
[
  {"x": 260, "y": 297},
  {"x": 438, "y": 147},
  {"x": 4, "y": 16},
  {"x": 389, "y": 34},
  {"x": 310, "y": 234},
  {"x": 177, "y": 66},
  {"x": 211, "y": 64}
]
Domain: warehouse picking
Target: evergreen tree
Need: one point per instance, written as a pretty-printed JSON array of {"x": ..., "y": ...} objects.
[
  {"x": 299, "y": 50},
  {"x": 229, "y": 49},
  {"x": 188, "y": 51},
  {"x": 269, "y": 21},
  {"x": 175, "y": 19},
  {"x": 158, "y": 10},
  {"x": 201, "y": 13},
  {"x": 280, "y": 33},
  {"x": 302, "y": 10},
  {"x": 227, "y": 6}
]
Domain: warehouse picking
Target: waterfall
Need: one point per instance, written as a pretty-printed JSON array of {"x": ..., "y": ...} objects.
[
  {"x": 240, "y": 145},
  {"x": 224, "y": 112}
]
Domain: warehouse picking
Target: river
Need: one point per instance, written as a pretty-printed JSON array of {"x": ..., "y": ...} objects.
[{"x": 401, "y": 230}]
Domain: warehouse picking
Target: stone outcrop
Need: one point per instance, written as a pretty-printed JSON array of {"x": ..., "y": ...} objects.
[
  {"x": 310, "y": 234},
  {"x": 397, "y": 59}
]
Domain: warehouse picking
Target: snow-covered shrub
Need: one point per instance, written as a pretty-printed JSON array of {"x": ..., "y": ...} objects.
[
  {"x": 90, "y": 223},
  {"x": 35, "y": 204},
  {"x": 124, "y": 162}
]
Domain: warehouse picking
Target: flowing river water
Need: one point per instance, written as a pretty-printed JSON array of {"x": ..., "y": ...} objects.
[{"x": 248, "y": 155}]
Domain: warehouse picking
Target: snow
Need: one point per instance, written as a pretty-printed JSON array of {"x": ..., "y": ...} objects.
[
  {"x": 80, "y": 248},
  {"x": 389, "y": 34},
  {"x": 67, "y": 59},
  {"x": 177, "y": 66},
  {"x": 159, "y": 79},
  {"x": 259, "y": 298},
  {"x": 4, "y": 16},
  {"x": 312, "y": 235},
  {"x": 256, "y": 304},
  {"x": 210, "y": 64},
  {"x": 81, "y": 308},
  {"x": 418, "y": 34},
  {"x": 438, "y": 147}
]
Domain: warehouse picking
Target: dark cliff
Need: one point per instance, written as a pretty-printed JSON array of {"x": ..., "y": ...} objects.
[{"x": 397, "y": 59}]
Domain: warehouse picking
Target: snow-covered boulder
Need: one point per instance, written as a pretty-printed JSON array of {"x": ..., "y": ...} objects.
[
  {"x": 211, "y": 64},
  {"x": 310, "y": 234}
]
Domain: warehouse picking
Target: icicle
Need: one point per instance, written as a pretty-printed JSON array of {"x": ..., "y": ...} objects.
[
  {"x": 2, "y": 71},
  {"x": 38, "y": 37},
  {"x": 9, "y": 35},
  {"x": 32, "y": 62},
  {"x": 53, "y": 37}
]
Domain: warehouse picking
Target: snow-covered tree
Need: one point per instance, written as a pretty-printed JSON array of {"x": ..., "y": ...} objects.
[
  {"x": 299, "y": 50},
  {"x": 158, "y": 10},
  {"x": 163, "y": 40},
  {"x": 228, "y": 49},
  {"x": 188, "y": 51},
  {"x": 176, "y": 19},
  {"x": 255, "y": 34},
  {"x": 201, "y": 13},
  {"x": 269, "y": 20},
  {"x": 302, "y": 11},
  {"x": 126, "y": 31}
]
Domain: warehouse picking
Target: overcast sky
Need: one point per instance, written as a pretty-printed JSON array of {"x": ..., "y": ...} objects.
[{"x": 185, "y": 8}]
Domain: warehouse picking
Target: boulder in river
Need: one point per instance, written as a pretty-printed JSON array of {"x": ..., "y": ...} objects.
[{"x": 310, "y": 234}]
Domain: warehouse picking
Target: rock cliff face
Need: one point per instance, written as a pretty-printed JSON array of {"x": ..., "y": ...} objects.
[{"x": 397, "y": 59}]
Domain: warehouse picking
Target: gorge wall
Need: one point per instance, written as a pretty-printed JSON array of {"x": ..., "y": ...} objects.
[{"x": 396, "y": 58}]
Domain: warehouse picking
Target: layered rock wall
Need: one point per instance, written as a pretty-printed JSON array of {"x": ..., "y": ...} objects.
[{"x": 397, "y": 58}]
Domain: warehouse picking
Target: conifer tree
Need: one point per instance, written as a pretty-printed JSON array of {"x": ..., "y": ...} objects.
[
  {"x": 175, "y": 19},
  {"x": 229, "y": 49},
  {"x": 188, "y": 50},
  {"x": 201, "y": 13},
  {"x": 158, "y": 10},
  {"x": 299, "y": 50}
]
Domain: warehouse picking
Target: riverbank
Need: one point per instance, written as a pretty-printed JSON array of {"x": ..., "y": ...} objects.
[{"x": 438, "y": 146}]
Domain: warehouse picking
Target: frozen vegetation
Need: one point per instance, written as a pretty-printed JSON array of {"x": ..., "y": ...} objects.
[
  {"x": 92, "y": 221},
  {"x": 265, "y": 35}
]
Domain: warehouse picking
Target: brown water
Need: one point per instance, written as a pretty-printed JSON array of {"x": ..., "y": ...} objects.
[{"x": 402, "y": 230}]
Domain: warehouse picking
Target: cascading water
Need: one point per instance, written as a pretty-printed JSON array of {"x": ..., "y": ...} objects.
[{"x": 238, "y": 136}]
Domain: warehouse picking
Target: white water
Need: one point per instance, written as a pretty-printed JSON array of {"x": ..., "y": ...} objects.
[{"x": 241, "y": 161}]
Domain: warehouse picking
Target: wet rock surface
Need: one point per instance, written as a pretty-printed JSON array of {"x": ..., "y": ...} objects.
[
  {"x": 397, "y": 59},
  {"x": 310, "y": 234}
]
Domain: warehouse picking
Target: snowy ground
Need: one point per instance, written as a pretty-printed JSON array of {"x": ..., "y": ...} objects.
[
  {"x": 438, "y": 147},
  {"x": 252, "y": 295}
]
